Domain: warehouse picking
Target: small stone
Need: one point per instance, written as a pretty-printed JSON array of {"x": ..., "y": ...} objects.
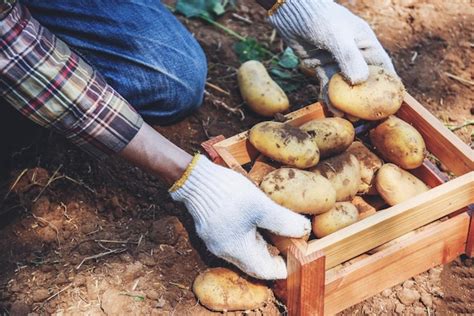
[
  {"x": 115, "y": 303},
  {"x": 40, "y": 295},
  {"x": 468, "y": 262},
  {"x": 19, "y": 308},
  {"x": 387, "y": 307},
  {"x": 419, "y": 278},
  {"x": 427, "y": 300},
  {"x": 167, "y": 230},
  {"x": 133, "y": 271},
  {"x": 408, "y": 296},
  {"x": 435, "y": 273},
  {"x": 161, "y": 303},
  {"x": 153, "y": 295},
  {"x": 387, "y": 293},
  {"x": 41, "y": 206},
  {"x": 88, "y": 228},
  {"x": 126, "y": 257},
  {"x": 419, "y": 311},
  {"x": 408, "y": 284},
  {"x": 79, "y": 280},
  {"x": 366, "y": 310},
  {"x": 15, "y": 287},
  {"x": 436, "y": 291},
  {"x": 399, "y": 308},
  {"x": 61, "y": 278},
  {"x": 146, "y": 260}
]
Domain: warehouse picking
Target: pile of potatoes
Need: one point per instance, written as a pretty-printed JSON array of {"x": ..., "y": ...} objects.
[{"x": 323, "y": 167}]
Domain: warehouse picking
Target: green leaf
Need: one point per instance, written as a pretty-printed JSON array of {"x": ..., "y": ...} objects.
[
  {"x": 192, "y": 8},
  {"x": 288, "y": 59},
  {"x": 279, "y": 73},
  {"x": 250, "y": 49},
  {"x": 218, "y": 8},
  {"x": 203, "y": 8}
]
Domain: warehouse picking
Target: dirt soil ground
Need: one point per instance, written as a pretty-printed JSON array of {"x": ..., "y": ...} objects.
[{"x": 79, "y": 236}]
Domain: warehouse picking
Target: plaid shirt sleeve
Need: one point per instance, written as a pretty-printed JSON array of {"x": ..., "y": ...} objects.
[{"x": 51, "y": 85}]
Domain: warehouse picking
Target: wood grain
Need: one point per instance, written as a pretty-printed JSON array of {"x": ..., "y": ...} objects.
[
  {"x": 305, "y": 283},
  {"x": 436, "y": 245},
  {"x": 395, "y": 221}
]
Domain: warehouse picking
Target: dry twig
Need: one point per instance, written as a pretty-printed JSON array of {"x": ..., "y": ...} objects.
[
  {"x": 100, "y": 255},
  {"x": 460, "y": 79},
  {"x": 222, "y": 104},
  {"x": 217, "y": 88},
  {"x": 44, "y": 221},
  {"x": 57, "y": 293},
  {"x": 242, "y": 18},
  {"x": 15, "y": 183},
  {"x": 50, "y": 180}
]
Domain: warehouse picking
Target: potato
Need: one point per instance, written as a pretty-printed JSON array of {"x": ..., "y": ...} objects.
[
  {"x": 282, "y": 243},
  {"x": 396, "y": 185},
  {"x": 259, "y": 91},
  {"x": 369, "y": 164},
  {"x": 223, "y": 290},
  {"x": 399, "y": 142},
  {"x": 285, "y": 143},
  {"x": 343, "y": 214},
  {"x": 300, "y": 191},
  {"x": 333, "y": 134},
  {"x": 377, "y": 98},
  {"x": 343, "y": 171}
]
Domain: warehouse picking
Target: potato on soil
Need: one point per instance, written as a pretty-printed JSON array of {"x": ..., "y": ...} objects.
[
  {"x": 300, "y": 191},
  {"x": 343, "y": 171},
  {"x": 396, "y": 185},
  {"x": 377, "y": 98},
  {"x": 369, "y": 164},
  {"x": 343, "y": 214},
  {"x": 333, "y": 134},
  {"x": 285, "y": 143},
  {"x": 399, "y": 142},
  {"x": 259, "y": 91},
  {"x": 222, "y": 290}
]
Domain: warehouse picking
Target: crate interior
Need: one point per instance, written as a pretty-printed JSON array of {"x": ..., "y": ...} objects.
[{"x": 240, "y": 152}]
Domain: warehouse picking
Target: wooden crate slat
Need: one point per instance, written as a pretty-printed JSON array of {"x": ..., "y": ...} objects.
[
  {"x": 395, "y": 221},
  {"x": 439, "y": 244},
  {"x": 429, "y": 174},
  {"x": 440, "y": 141}
]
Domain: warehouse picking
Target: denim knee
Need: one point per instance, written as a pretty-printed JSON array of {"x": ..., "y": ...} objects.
[
  {"x": 181, "y": 86},
  {"x": 142, "y": 51}
]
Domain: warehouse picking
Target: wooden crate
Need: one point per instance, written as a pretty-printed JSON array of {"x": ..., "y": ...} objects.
[{"x": 430, "y": 229}]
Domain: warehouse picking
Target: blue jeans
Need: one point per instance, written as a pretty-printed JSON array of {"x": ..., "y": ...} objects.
[{"x": 140, "y": 48}]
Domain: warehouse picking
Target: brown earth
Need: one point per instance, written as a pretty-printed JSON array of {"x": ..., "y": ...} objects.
[{"x": 79, "y": 236}]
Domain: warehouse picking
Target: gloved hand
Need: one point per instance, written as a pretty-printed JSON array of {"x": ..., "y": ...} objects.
[
  {"x": 227, "y": 209},
  {"x": 329, "y": 38}
]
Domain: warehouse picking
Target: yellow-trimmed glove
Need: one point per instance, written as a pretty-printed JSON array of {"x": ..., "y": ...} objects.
[{"x": 227, "y": 209}]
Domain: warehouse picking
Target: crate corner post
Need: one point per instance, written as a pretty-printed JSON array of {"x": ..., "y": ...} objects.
[{"x": 306, "y": 282}]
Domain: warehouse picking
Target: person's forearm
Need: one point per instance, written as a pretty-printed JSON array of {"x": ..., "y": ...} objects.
[
  {"x": 151, "y": 151},
  {"x": 75, "y": 100}
]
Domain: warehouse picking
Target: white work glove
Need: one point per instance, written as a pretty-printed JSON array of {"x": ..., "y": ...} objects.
[
  {"x": 227, "y": 209},
  {"x": 329, "y": 38}
]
